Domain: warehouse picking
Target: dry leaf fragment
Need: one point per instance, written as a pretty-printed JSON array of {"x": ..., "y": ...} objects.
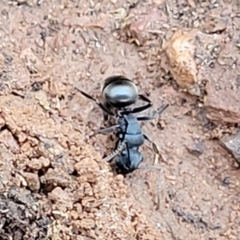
[
  {"x": 53, "y": 87},
  {"x": 42, "y": 99},
  {"x": 214, "y": 25},
  {"x": 119, "y": 13}
]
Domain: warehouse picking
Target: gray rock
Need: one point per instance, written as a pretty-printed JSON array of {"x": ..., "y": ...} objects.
[
  {"x": 223, "y": 88},
  {"x": 197, "y": 148},
  {"x": 232, "y": 144}
]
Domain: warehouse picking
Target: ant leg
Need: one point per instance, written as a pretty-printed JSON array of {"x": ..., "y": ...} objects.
[
  {"x": 159, "y": 112},
  {"x": 154, "y": 146},
  {"x": 145, "y": 118},
  {"x": 105, "y": 115},
  {"x": 159, "y": 187},
  {"x": 105, "y": 130},
  {"x": 139, "y": 109},
  {"x": 96, "y": 101},
  {"x": 128, "y": 152}
]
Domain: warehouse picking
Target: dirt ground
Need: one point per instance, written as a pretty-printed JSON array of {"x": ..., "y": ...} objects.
[{"x": 53, "y": 182}]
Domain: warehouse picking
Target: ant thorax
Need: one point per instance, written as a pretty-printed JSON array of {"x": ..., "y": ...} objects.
[{"x": 119, "y": 111}]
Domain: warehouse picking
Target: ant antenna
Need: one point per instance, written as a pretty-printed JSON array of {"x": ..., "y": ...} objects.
[
  {"x": 161, "y": 110},
  {"x": 149, "y": 168},
  {"x": 159, "y": 181},
  {"x": 115, "y": 152},
  {"x": 95, "y": 100}
]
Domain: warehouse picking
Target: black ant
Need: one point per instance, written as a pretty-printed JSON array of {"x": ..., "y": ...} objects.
[{"x": 119, "y": 93}]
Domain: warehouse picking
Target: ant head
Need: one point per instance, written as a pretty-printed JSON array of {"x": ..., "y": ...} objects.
[
  {"x": 119, "y": 91},
  {"x": 128, "y": 163}
]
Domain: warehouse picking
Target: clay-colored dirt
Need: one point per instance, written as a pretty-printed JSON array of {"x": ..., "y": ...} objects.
[{"x": 53, "y": 181}]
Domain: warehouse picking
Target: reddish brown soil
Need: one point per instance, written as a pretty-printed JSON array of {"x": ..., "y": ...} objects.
[{"x": 53, "y": 182}]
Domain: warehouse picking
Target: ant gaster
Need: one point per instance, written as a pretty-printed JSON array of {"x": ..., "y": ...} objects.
[{"x": 119, "y": 93}]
